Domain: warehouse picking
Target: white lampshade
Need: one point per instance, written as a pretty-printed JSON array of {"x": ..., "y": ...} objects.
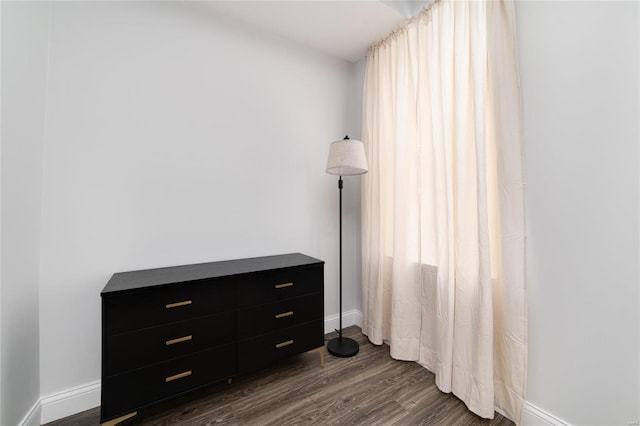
[{"x": 347, "y": 158}]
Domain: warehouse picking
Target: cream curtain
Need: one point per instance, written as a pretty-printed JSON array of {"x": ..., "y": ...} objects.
[{"x": 443, "y": 206}]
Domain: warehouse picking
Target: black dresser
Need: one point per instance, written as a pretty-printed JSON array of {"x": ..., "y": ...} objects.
[{"x": 168, "y": 331}]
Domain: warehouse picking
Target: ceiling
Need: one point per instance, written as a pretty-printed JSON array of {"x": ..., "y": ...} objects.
[{"x": 344, "y": 29}]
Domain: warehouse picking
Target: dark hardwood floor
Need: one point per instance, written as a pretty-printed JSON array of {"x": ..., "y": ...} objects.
[{"x": 368, "y": 389}]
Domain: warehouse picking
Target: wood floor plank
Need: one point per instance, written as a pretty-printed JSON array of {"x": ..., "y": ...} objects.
[{"x": 368, "y": 389}]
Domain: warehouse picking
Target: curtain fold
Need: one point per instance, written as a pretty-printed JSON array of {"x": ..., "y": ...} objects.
[{"x": 443, "y": 205}]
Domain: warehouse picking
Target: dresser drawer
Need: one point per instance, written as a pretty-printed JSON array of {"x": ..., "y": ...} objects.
[
  {"x": 277, "y": 315},
  {"x": 260, "y": 351},
  {"x": 280, "y": 285},
  {"x": 129, "y": 391},
  {"x": 137, "y": 310},
  {"x": 127, "y": 351}
]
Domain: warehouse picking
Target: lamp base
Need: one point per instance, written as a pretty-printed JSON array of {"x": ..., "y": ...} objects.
[{"x": 343, "y": 347}]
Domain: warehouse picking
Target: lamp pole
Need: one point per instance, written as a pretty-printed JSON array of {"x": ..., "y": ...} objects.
[{"x": 340, "y": 187}]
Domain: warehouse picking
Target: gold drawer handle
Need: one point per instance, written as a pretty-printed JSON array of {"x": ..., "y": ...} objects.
[
  {"x": 284, "y": 285},
  {"x": 283, "y": 344},
  {"x": 177, "y": 376},
  {"x": 178, "y": 340},
  {"x": 175, "y": 305},
  {"x": 284, "y": 314}
]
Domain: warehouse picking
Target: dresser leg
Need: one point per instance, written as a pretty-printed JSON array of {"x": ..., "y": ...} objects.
[
  {"x": 320, "y": 350},
  {"x": 119, "y": 419}
]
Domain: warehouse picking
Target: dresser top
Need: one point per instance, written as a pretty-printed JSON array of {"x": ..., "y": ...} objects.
[{"x": 126, "y": 281}]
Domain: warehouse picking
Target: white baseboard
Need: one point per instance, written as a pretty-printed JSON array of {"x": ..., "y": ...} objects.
[
  {"x": 536, "y": 416},
  {"x": 349, "y": 318},
  {"x": 32, "y": 418},
  {"x": 70, "y": 401}
]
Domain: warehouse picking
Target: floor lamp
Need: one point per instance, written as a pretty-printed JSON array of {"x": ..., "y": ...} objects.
[{"x": 346, "y": 158}]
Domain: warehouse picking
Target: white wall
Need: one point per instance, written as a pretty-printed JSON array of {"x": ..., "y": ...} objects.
[
  {"x": 177, "y": 136},
  {"x": 24, "y": 60},
  {"x": 580, "y": 84},
  {"x": 352, "y": 187}
]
